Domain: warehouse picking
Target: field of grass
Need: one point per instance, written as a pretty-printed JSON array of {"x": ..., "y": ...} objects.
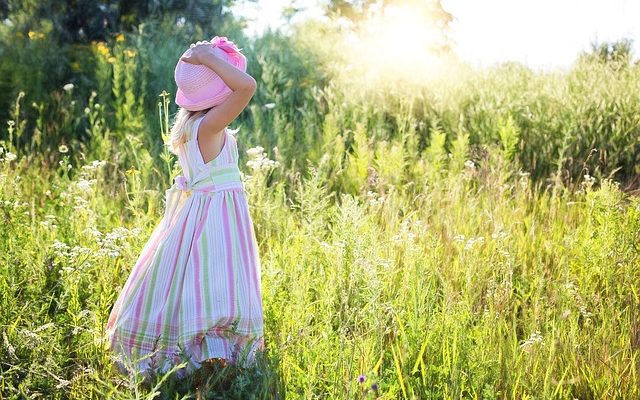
[{"x": 464, "y": 241}]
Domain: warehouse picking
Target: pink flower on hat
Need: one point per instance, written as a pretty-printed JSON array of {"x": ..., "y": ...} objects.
[
  {"x": 199, "y": 87},
  {"x": 225, "y": 44}
]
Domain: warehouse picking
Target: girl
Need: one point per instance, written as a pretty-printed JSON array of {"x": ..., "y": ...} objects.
[{"x": 194, "y": 294}]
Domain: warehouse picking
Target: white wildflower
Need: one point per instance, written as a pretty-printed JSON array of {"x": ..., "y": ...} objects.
[
  {"x": 45, "y": 326},
  {"x": 9, "y": 156},
  {"x": 584, "y": 312},
  {"x": 85, "y": 185},
  {"x": 111, "y": 243},
  {"x": 472, "y": 241},
  {"x": 10, "y": 349},
  {"x": 259, "y": 160},
  {"x": 94, "y": 164},
  {"x": 588, "y": 181},
  {"x": 63, "y": 148},
  {"x": 60, "y": 248},
  {"x": 254, "y": 151},
  {"x": 269, "y": 105},
  {"x": 499, "y": 235},
  {"x": 405, "y": 233},
  {"x": 534, "y": 339},
  {"x": 375, "y": 198},
  {"x": 80, "y": 202},
  {"x": 68, "y": 87}
]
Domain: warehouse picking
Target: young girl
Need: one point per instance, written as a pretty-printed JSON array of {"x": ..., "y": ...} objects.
[{"x": 194, "y": 294}]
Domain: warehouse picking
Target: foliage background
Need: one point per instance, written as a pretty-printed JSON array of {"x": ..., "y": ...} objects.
[{"x": 468, "y": 238}]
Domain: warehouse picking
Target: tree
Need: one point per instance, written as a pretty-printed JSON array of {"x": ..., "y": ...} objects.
[
  {"x": 618, "y": 53},
  {"x": 80, "y": 21}
]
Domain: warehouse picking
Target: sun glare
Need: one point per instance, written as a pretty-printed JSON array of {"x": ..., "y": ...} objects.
[{"x": 395, "y": 45}]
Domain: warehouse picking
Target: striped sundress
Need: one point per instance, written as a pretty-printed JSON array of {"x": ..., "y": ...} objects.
[{"x": 194, "y": 292}]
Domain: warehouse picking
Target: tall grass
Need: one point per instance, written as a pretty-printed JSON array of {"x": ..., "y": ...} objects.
[{"x": 459, "y": 242}]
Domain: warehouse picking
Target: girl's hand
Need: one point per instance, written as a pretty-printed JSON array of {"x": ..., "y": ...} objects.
[{"x": 198, "y": 50}]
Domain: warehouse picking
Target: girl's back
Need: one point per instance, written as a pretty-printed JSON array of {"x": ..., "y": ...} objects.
[{"x": 196, "y": 283}]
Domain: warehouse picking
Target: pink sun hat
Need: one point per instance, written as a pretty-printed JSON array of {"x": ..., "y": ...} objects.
[{"x": 199, "y": 87}]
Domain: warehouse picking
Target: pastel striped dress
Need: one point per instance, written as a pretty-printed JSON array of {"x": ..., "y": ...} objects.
[{"x": 194, "y": 292}]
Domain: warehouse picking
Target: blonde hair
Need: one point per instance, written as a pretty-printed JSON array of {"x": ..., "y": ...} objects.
[{"x": 181, "y": 127}]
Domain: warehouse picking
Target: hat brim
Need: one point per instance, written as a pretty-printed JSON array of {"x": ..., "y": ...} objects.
[{"x": 190, "y": 105}]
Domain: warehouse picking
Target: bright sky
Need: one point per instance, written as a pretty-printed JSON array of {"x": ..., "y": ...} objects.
[{"x": 540, "y": 33}]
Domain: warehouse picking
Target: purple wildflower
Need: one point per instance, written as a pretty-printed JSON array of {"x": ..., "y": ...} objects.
[
  {"x": 361, "y": 378},
  {"x": 374, "y": 386}
]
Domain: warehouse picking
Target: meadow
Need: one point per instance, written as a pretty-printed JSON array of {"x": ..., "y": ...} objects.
[{"x": 476, "y": 237}]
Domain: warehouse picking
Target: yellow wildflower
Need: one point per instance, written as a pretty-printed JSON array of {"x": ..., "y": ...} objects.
[
  {"x": 120, "y": 37},
  {"x": 102, "y": 48},
  {"x": 32, "y": 35},
  {"x": 129, "y": 53},
  {"x": 111, "y": 60}
]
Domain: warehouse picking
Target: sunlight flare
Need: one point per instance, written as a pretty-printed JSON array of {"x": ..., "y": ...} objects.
[{"x": 397, "y": 44}]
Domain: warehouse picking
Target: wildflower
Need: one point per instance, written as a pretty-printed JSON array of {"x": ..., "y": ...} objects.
[
  {"x": 102, "y": 48},
  {"x": 181, "y": 21},
  {"x": 584, "y": 312},
  {"x": 375, "y": 198},
  {"x": 9, "y": 156},
  {"x": 63, "y": 148},
  {"x": 120, "y": 37},
  {"x": 32, "y": 35},
  {"x": 270, "y": 105},
  {"x": 94, "y": 164},
  {"x": 361, "y": 378},
  {"x": 458, "y": 238},
  {"x": 473, "y": 241},
  {"x": 48, "y": 224},
  {"x": 259, "y": 160},
  {"x": 68, "y": 87},
  {"x": 534, "y": 339},
  {"x": 374, "y": 386},
  {"x": 588, "y": 181},
  {"x": 60, "y": 248},
  {"x": 500, "y": 234},
  {"x": 255, "y": 151},
  {"x": 10, "y": 349},
  {"x": 129, "y": 53},
  {"x": 111, "y": 60},
  {"x": 80, "y": 203},
  {"x": 85, "y": 185}
]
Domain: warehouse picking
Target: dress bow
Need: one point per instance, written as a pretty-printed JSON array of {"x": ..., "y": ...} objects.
[
  {"x": 173, "y": 196},
  {"x": 182, "y": 183}
]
